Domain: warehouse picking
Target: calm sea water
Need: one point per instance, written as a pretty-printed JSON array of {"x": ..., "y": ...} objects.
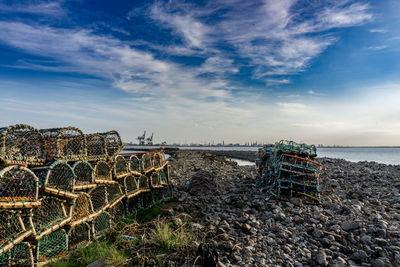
[{"x": 387, "y": 155}]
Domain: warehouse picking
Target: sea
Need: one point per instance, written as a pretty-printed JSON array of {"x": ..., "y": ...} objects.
[{"x": 386, "y": 155}]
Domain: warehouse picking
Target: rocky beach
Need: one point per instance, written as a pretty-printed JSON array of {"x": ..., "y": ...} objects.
[{"x": 357, "y": 223}]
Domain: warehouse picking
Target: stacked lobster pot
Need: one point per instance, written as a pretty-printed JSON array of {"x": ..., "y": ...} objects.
[
  {"x": 61, "y": 188},
  {"x": 288, "y": 170}
]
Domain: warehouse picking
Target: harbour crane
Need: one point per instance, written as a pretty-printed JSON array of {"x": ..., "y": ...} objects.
[
  {"x": 150, "y": 139},
  {"x": 142, "y": 138}
]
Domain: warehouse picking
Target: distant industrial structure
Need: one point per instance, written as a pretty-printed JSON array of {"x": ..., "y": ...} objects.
[{"x": 142, "y": 139}]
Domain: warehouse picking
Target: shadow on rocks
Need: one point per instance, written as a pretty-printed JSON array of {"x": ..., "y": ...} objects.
[{"x": 203, "y": 183}]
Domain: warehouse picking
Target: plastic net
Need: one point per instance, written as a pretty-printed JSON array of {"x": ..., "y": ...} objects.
[
  {"x": 20, "y": 255},
  {"x": 22, "y": 144},
  {"x": 121, "y": 167},
  {"x": 130, "y": 185},
  {"x": 51, "y": 246},
  {"x": 144, "y": 183},
  {"x": 98, "y": 197},
  {"x": 49, "y": 215},
  {"x": 114, "y": 192},
  {"x": 64, "y": 144},
  {"x": 78, "y": 236},
  {"x": 285, "y": 146},
  {"x": 101, "y": 224},
  {"x": 11, "y": 227},
  {"x": 117, "y": 211},
  {"x": 135, "y": 164},
  {"x": 113, "y": 142},
  {"x": 102, "y": 171},
  {"x": 59, "y": 176},
  {"x": 95, "y": 147},
  {"x": 18, "y": 184},
  {"x": 147, "y": 162},
  {"x": 83, "y": 173},
  {"x": 82, "y": 207}
]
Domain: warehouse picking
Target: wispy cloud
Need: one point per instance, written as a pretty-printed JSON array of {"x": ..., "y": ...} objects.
[
  {"x": 31, "y": 7},
  {"x": 377, "y": 48},
  {"x": 378, "y": 30}
]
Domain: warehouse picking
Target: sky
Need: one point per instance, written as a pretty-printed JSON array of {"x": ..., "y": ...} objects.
[{"x": 314, "y": 71}]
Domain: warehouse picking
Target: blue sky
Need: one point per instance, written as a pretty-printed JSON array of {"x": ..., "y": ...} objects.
[{"x": 312, "y": 71}]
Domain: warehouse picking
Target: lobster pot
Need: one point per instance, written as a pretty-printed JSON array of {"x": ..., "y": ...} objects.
[
  {"x": 131, "y": 186},
  {"x": 102, "y": 173},
  {"x": 20, "y": 255},
  {"x": 135, "y": 165},
  {"x": 144, "y": 183},
  {"x": 67, "y": 144},
  {"x": 121, "y": 167},
  {"x": 117, "y": 211},
  {"x": 82, "y": 207},
  {"x": 163, "y": 178},
  {"x": 101, "y": 224},
  {"x": 96, "y": 147},
  {"x": 113, "y": 143},
  {"x": 19, "y": 188},
  {"x": 98, "y": 197},
  {"x": 50, "y": 216},
  {"x": 147, "y": 163},
  {"x": 133, "y": 204},
  {"x": 146, "y": 199},
  {"x": 155, "y": 181},
  {"x": 58, "y": 179},
  {"x": 83, "y": 175},
  {"x": 12, "y": 230},
  {"x": 158, "y": 160},
  {"x": 78, "y": 236},
  {"x": 21, "y": 144},
  {"x": 114, "y": 193},
  {"x": 52, "y": 246}
]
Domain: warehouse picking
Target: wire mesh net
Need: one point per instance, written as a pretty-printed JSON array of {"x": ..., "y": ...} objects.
[
  {"x": 51, "y": 246},
  {"x": 18, "y": 184},
  {"x": 135, "y": 164},
  {"x": 101, "y": 224},
  {"x": 163, "y": 177},
  {"x": 130, "y": 185},
  {"x": 11, "y": 228},
  {"x": 82, "y": 207},
  {"x": 20, "y": 255},
  {"x": 147, "y": 162},
  {"x": 155, "y": 180},
  {"x": 78, "y": 236},
  {"x": 51, "y": 214},
  {"x": 64, "y": 144},
  {"x": 143, "y": 183},
  {"x": 102, "y": 171},
  {"x": 157, "y": 160},
  {"x": 113, "y": 142},
  {"x": 59, "y": 176},
  {"x": 121, "y": 167},
  {"x": 114, "y": 192},
  {"x": 133, "y": 204},
  {"x": 146, "y": 199},
  {"x": 96, "y": 148},
  {"x": 83, "y": 173},
  {"x": 22, "y": 144},
  {"x": 117, "y": 211},
  {"x": 98, "y": 197}
]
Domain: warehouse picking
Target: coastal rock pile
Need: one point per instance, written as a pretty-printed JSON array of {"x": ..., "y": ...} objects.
[{"x": 357, "y": 223}]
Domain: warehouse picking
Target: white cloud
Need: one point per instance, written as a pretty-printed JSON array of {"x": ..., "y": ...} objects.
[
  {"x": 379, "y": 47},
  {"x": 310, "y": 92},
  {"x": 378, "y": 30},
  {"x": 52, "y": 8}
]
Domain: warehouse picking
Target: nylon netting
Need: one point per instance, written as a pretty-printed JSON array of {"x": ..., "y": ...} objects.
[
  {"x": 53, "y": 245},
  {"x": 130, "y": 185},
  {"x": 143, "y": 182},
  {"x": 155, "y": 179},
  {"x": 113, "y": 142},
  {"x": 82, "y": 207},
  {"x": 114, "y": 192},
  {"x": 121, "y": 167},
  {"x": 135, "y": 164},
  {"x": 102, "y": 171},
  {"x": 18, "y": 184},
  {"x": 11, "y": 227},
  {"x": 58, "y": 176},
  {"x": 51, "y": 212},
  {"x": 157, "y": 160},
  {"x": 96, "y": 148},
  {"x": 83, "y": 173},
  {"x": 147, "y": 162},
  {"x": 98, "y": 197},
  {"x": 101, "y": 224},
  {"x": 20, "y": 255},
  {"x": 78, "y": 236},
  {"x": 117, "y": 211},
  {"x": 22, "y": 144}
]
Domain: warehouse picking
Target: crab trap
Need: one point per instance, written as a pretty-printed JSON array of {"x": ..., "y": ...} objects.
[
  {"x": 144, "y": 184},
  {"x": 79, "y": 236},
  {"x": 67, "y": 144},
  {"x": 117, "y": 211},
  {"x": 114, "y": 193},
  {"x": 101, "y": 224},
  {"x": 121, "y": 167},
  {"x": 155, "y": 181},
  {"x": 19, "y": 188},
  {"x": 49, "y": 217},
  {"x": 135, "y": 165},
  {"x": 52, "y": 246},
  {"x": 102, "y": 173},
  {"x": 12, "y": 230},
  {"x": 146, "y": 199},
  {"x": 83, "y": 175},
  {"x": 58, "y": 179},
  {"x": 81, "y": 210},
  {"x": 20, "y": 255},
  {"x": 96, "y": 147},
  {"x": 147, "y": 162},
  {"x": 21, "y": 144},
  {"x": 98, "y": 197},
  {"x": 131, "y": 186},
  {"x": 158, "y": 160},
  {"x": 113, "y": 143}
]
